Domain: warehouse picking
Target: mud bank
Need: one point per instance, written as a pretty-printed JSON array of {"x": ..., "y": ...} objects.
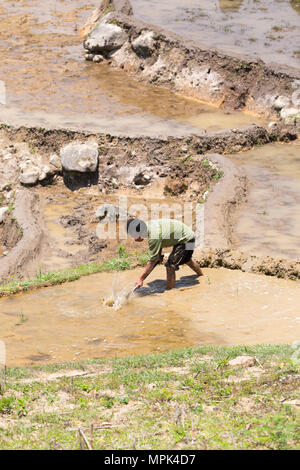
[
  {"x": 232, "y": 259},
  {"x": 60, "y": 228},
  {"x": 223, "y": 203},
  {"x": 27, "y": 216},
  {"x": 18, "y": 144},
  {"x": 157, "y": 56},
  {"x": 148, "y": 168},
  {"x": 31, "y": 156}
]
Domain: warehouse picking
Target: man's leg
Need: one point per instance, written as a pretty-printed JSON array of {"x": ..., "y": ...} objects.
[
  {"x": 171, "y": 277},
  {"x": 195, "y": 267}
]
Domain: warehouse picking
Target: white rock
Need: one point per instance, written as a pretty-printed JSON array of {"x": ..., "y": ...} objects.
[
  {"x": 3, "y": 211},
  {"x": 296, "y": 84},
  {"x": 242, "y": 361},
  {"x": 144, "y": 44},
  {"x": 290, "y": 113},
  {"x": 46, "y": 172},
  {"x": 281, "y": 102},
  {"x": 55, "y": 161},
  {"x": 272, "y": 124},
  {"x": 30, "y": 174},
  {"x": 97, "y": 58},
  {"x": 142, "y": 179},
  {"x": 80, "y": 157},
  {"x": 89, "y": 56},
  {"x": 105, "y": 37}
]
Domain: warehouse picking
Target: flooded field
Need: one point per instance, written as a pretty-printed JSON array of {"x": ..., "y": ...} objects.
[
  {"x": 71, "y": 225},
  {"x": 269, "y": 223},
  {"x": 266, "y": 29},
  {"x": 49, "y": 83},
  {"x": 225, "y": 307}
]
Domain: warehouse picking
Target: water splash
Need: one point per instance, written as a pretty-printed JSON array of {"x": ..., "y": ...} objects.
[{"x": 119, "y": 298}]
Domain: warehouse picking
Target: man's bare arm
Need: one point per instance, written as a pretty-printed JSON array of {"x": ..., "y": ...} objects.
[{"x": 149, "y": 268}]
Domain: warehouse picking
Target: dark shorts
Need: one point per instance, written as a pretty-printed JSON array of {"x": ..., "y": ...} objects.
[{"x": 181, "y": 254}]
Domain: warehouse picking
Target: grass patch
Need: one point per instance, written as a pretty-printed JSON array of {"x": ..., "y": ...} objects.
[
  {"x": 123, "y": 262},
  {"x": 185, "y": 399}
]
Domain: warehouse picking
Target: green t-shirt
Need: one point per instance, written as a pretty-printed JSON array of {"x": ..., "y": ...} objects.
[{"x": 163, "y": 233}]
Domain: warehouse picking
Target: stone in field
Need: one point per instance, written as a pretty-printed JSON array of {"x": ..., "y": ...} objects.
[{"x": 79, "y": 157}]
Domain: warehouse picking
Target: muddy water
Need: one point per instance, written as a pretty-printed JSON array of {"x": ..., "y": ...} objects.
[
  {"x": 48, "y": 82},
  {"x": 269, "y": 223},
  {"x": 267, "y": 29},
  {"x": 226, "y": 307}
]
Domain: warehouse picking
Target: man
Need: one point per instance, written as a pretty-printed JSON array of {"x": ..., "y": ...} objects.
[{"x": 164, "y": 233}]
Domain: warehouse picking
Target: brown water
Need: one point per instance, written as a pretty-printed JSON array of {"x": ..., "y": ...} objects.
[
  {"x": 226, "y": 307},
  {"x": 267, "y": 29},
  {"x": 49, "y": 84},
  {"x": 269, "y": 223}
]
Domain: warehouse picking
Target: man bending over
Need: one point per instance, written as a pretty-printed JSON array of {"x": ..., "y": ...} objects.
[{"x": 164, "y": 233}]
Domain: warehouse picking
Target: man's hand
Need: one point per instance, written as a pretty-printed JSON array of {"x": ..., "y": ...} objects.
[
  {"x": 139, "y": 283},
  {"x": 149, "y": 267}
]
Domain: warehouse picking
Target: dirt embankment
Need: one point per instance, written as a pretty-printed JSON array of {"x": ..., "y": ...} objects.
[
  {"x": 233, "y": 259},
  {"x": 223, "y": 203},
  {"x": 123, "y": 164},
  {"x": 27, "y": 216},
  {"x": 180, "y": 166},
  {"x": 31, "y": 156},
  {"x": 157, "y": 56}
]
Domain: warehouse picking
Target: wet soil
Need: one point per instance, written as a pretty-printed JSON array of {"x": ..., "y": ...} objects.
[
  {"x": 268, "y": 30},
  {"x": 225, "y": 307},
  {"x": 71, "y": 225},
  {"x": 48, "y": 82},
  {"x": 269, "y": 221}
]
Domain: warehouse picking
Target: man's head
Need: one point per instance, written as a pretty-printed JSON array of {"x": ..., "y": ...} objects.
[{"x": 137, "y": 229}]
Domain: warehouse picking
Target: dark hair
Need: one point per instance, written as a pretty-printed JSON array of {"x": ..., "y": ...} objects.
[{"x": 136, "y": 228}]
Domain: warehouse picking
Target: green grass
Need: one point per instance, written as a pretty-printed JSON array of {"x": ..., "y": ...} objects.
[
  {"x": 122, "y": 262},
  {"x": 186, "y": 399}
]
